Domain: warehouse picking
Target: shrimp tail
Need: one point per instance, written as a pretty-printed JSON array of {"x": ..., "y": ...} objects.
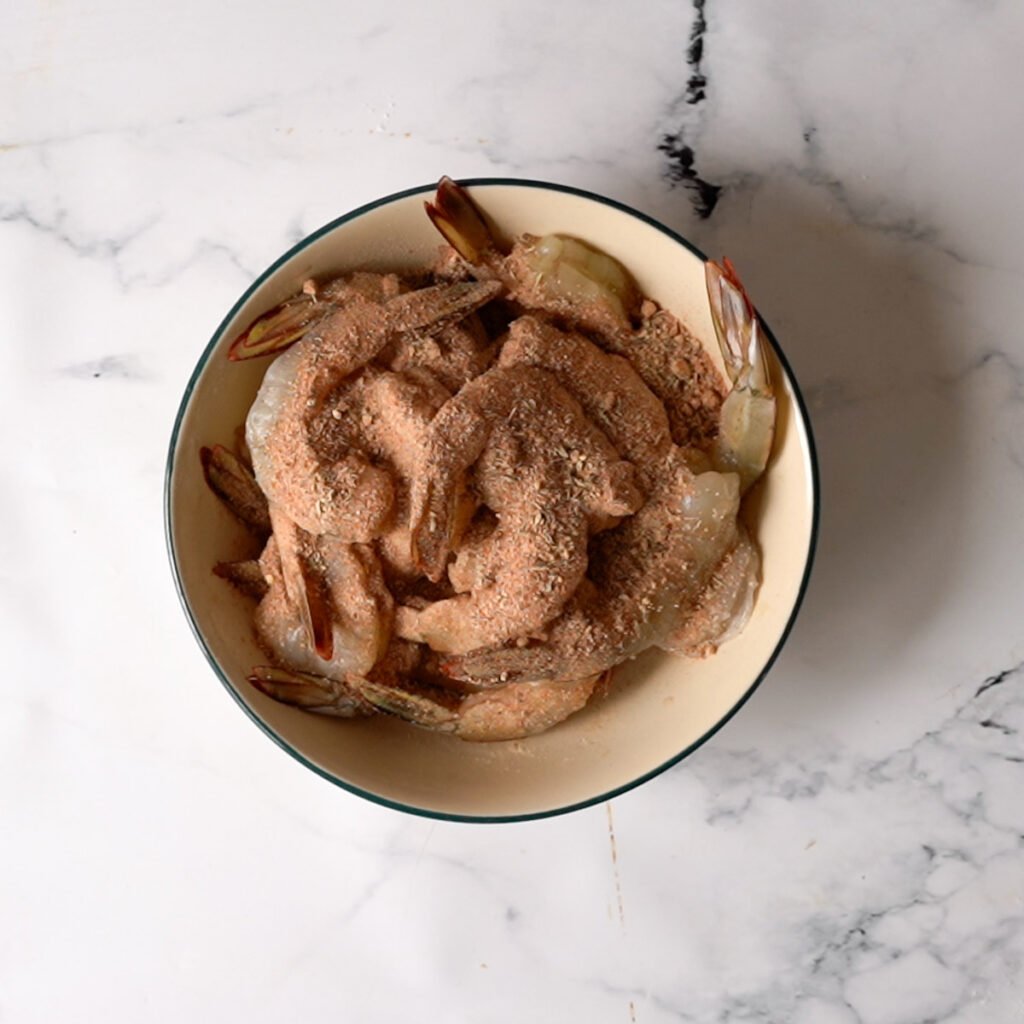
[
  {"x": 737, "y": 327},
  {"x": 233, "y": 482},
  {"x": 305, "y": 592},
  {"x": 431, "y": 708},
  {"x": 275, "y": 330},
  {"x": 310, "y": 692},
  {"x": 459, "y": 220},
  {"x": 747, "y": 420},
  {"x": 430, "y": 537},
  {"x": 434, "y": 309},
  {"x": 246, "y": 576}
]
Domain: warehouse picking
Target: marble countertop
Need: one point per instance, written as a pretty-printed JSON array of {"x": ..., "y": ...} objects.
[{"x": 848, "y": 850}]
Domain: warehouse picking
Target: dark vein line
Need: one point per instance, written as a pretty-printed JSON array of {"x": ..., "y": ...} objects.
[
  {"x": 680, "y": 166},
  {"x": 697, "y": 85},
  {"x": 998, "y": 678}
]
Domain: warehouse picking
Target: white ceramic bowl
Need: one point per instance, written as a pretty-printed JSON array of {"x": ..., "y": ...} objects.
[{"x": 660, "y": 709}]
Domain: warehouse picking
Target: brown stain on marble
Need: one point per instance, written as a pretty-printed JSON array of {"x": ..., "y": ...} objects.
[{"x": 615, "y": 867}]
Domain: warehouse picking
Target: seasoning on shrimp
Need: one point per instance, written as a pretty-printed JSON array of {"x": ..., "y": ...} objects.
[{"x": 488, "y": 486}]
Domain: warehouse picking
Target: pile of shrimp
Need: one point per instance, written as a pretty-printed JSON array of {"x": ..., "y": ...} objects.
[{"x": 476, "y": 490}]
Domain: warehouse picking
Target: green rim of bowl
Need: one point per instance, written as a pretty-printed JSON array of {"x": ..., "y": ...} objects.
[{"x": 423, "y": 811}]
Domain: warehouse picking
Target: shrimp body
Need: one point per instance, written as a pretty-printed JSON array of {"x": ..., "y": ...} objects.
[
  {"x": 609, "y": 390},
  {"x": 649, "y": 574},
  {"x": 557, "y": 274},
  {"x": 551, "y": 478},
  {"x": 340, "y": 492}
]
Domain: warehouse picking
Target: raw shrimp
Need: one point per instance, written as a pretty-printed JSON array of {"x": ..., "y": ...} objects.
[
  {"x": 506, "y": 713},
  {"x": 294, "y": 318},
  {"x": 346, "y": 593},
  {"x": 647, "y": 574},
  {"x": 343, "y": 493},
  {"x": 389, "y": 414},
  {"x": 677, "y": 370},
  {"x": 551, "y": 477},
  {"x": 337, "y": 694},
  {"x": 681, "y": 573},
  {"x": 609, "y": 390},
  {"x": 453, "y": 354},
  {"x": 558, "y": 274},
  {"x": 293, "y": 464},
  {"x": 566, "y": 279}
]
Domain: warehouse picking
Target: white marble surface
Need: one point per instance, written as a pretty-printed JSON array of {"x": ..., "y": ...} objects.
[{"x": 849, "y": 849}]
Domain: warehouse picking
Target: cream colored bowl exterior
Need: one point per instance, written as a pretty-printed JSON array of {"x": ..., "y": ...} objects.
[{"x": 660, "y": 707}]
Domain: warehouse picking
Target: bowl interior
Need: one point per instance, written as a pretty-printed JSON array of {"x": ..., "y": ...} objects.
[{"x": 659, "y": 706}]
